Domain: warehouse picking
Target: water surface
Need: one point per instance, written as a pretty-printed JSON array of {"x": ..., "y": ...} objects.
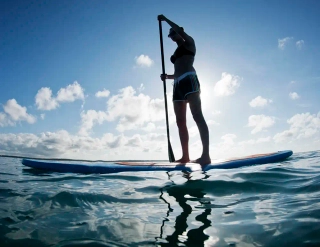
[{"x": 267, "y": 205}]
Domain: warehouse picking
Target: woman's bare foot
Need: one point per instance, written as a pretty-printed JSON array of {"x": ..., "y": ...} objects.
[
  {"x": 183, "y": 160},
  {"x": 202, "y": 161}
]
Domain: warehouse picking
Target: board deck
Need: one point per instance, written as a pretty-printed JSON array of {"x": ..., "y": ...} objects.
[
  {"x": 108, "y": 167},
  {"x": 174, "y": 163}
]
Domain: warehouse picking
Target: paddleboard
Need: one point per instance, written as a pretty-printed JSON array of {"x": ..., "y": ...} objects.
[{"x": 108, "y": 167}]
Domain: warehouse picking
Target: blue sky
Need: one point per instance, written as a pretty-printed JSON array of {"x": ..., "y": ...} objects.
[{"x": 80, "y": 79}]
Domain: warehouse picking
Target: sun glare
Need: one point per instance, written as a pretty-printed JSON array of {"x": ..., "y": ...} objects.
[{"x": 207, "y": 97}]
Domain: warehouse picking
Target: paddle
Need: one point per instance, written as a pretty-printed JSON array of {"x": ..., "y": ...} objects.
[{"x": 171, "y": 155}]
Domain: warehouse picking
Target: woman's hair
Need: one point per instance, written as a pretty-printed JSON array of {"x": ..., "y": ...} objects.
[
  {"x": 180, "y": 27},
  {"x": 172, "y": 31}
]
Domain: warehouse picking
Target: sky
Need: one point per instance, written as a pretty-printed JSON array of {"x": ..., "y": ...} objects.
[{"x": 81, "y": 79}]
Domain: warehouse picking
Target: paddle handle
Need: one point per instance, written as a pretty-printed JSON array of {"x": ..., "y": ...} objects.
[{"x": 170, "y": 151}]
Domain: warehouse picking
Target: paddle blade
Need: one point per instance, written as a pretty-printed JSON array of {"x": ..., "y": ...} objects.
[{"x": 171, "y": 155}]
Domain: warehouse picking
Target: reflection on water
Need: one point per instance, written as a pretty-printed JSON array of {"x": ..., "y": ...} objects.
[{"x": 181, "y": 234}]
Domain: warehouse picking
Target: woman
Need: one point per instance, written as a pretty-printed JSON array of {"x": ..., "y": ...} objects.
[{"x": 186, "y": 89}]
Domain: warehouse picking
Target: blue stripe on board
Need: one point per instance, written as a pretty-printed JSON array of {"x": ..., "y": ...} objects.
[{"x": 92, "y": 167}]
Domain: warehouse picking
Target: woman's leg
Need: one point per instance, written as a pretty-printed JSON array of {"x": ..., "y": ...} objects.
[
  {"x": 180, "y": 109},
  {"x": 195, "y": 107}
]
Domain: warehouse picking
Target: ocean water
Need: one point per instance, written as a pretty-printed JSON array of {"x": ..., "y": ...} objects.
[{"x": 267, "y": 205}]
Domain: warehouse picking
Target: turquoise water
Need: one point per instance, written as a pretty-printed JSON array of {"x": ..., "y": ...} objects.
[{"x": 268, "y": 205}]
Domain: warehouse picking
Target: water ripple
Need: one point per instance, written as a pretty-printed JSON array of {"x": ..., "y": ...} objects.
[{"x": 266, "y": 205}]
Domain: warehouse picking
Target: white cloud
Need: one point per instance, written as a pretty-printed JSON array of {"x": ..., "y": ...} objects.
[
  {"x": 221, "y": 149},
  {"x": 283, "y": 42},
  {"x": 42, "y": 116},
  {"x": 53, "y": 144},
  {"x": 193, "y": 131},
  {"x": 90, "y": 118},
  {"x": 260, "y": 122},
  {"x": 227, "y": 85},
  {"x": 134, "y": 141},
  {"x": 304, "y": 120},
  {"x": 131, "y": 110},
  {"x": 114, "y": 142},
  {"x": 4, "y": 120},
  {"x": 294, "y": 96},
  {"x": 104, "y": 93},
  {"x": 253, "y": 142},
  {"x": 248, "y": 142},
  {"x": 150, "y": 127},
  {"x": 141, "y": 88},
  {"x": 61, "y": 144},
  {"x": 70, "y": 93},
  {"x": 156, "y": 137},
  {"x": 300, "y": 44},
  {"x": 45, "y": 100},
  {"x": 17, "y": 112},
  {"x": 212, "y": 122},
  {"x": 228, "y": 139},
  {"x": 304, "y": 125},
  {"x": 216, "y": 112},
  {"x": 259, "y": 102},
  {"x": 229, "y": 147},
  {"x": 264, "y": 139},
  {"x": 144, "y": 61},
  {"x": 284, "y": 136}
]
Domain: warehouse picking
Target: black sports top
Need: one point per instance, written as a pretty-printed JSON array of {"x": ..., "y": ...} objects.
[{"x": 179, "y": 52}]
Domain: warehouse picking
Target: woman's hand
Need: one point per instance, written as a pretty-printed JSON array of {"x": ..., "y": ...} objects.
[
  {"x": 163, "y": 77},
  {"x": 162, "y": 18}
]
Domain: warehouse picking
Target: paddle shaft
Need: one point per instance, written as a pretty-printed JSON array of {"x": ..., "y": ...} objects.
[{"x": 171, "y": 155}]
